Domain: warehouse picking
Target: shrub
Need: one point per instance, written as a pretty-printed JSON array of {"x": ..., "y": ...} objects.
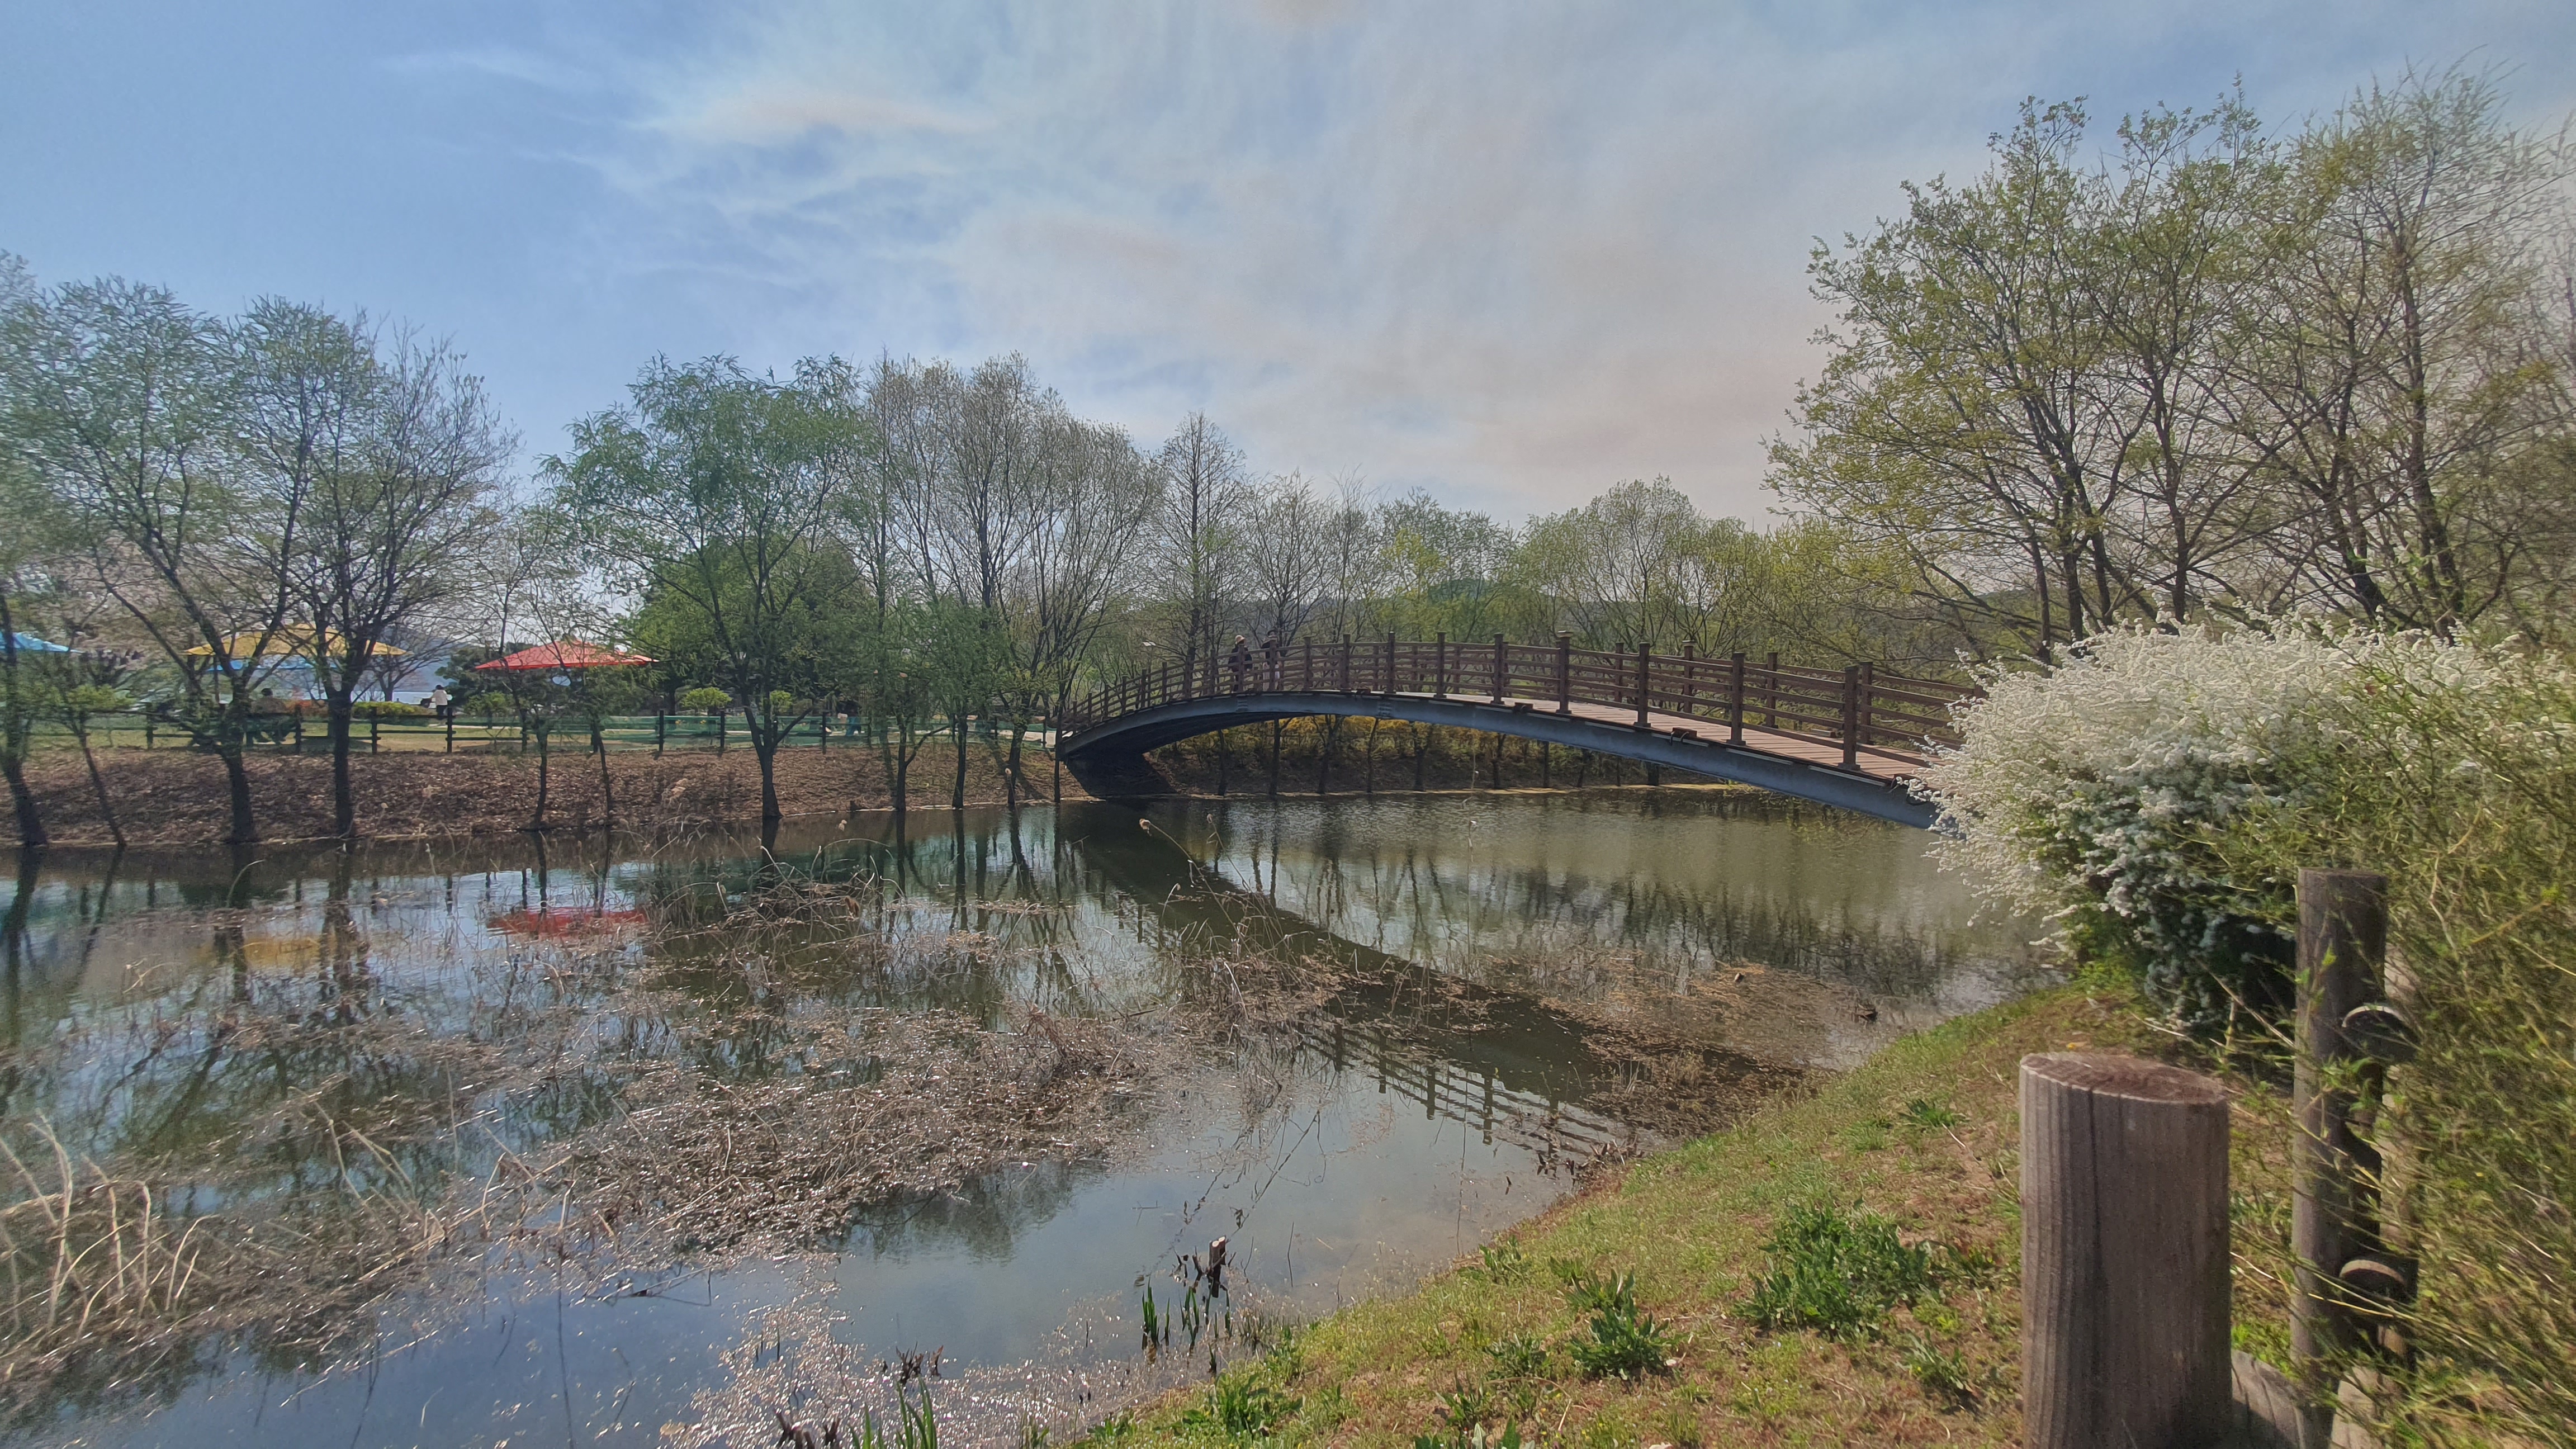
[
  {"x": 704, "y": 700},
  {"x": 2158, "y": 795},
  {"x": 387, "y": 709},
  {"x": 1240, "y": 1406},
  {"x": 2101, "y": 793}
]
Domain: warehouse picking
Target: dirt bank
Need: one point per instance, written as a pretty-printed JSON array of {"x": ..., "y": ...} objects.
[{"x": 176, "y": 797}]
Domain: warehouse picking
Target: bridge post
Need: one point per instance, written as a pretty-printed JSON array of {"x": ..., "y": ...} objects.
[
  {"x": 1386, "y": 682},
  {"x": 1771, "y": 691},
  {"x": 1440, "y": 667},
  {"x": 1735, "y": 699},
  {"x": 1861, "y": 725},
  {"x": 1851, "y": 716},
  {"x": 1645, "y": 661},
  {"x": 1167, "y": 681},
  {"x": 1502, "y": 667},
  {"x": 1346, "y": 664},
  {"x": 1690, "y": 678},
  {"x": 1306, "y": 681},
  {"x": 1564, "y": 672}
]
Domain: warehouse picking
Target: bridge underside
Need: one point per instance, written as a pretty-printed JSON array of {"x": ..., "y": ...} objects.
[{"x": 1108, "y": 758}]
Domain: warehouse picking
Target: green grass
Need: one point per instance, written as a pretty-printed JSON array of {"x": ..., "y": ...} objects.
[{"x": 1661, "y": 1262}]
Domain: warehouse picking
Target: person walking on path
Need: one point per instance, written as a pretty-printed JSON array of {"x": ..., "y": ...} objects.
[
  {"x": 1239, "y": 659},
  {"x": 1271, "y": 656}
]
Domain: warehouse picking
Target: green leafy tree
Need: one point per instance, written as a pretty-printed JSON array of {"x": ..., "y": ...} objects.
[{"x": 734, "y": 499}]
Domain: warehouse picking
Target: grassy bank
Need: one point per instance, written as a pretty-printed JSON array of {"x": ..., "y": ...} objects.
[{"x": 1920, "y": 1139}]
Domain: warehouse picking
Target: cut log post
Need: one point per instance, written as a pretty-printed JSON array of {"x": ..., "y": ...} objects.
[
  {"x": 2343, "y": 936},
  {"x": 2124, "y": 1254}
]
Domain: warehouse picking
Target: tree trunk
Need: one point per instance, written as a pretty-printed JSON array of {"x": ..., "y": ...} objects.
[
  {"x": 607, "y": 789},
  {"x": 538, "y": 820},
  {"x": 106, "y": 808},
  {"x": 31, "y": 822},
  {"x": 1278, "y": 727},
  {"x": 344, "y": 799},
  {"x": 900, "y": 786},
  {"x": 957, "y": 786},
  {"x": 764, "y": 748},
  {"x": 237, "y": 787},
  {"x": 1011, "y": 769}
]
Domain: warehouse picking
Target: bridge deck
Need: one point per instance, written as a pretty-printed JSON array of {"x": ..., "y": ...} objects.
[{"x": 1877, "y": 763}]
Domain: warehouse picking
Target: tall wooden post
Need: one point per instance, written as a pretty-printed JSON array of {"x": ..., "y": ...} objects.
[
  {"x": 1644, "y": 662},
  {"x": 1306, "y": 665},
  {"x": 2124, "y": 1254},
  {"x": 1862, "y": 724},
  {"x": 1440, "y": 667},
  {"x": 1851, "y": 716},
  {"x": 2343, "y": 940},
  {"x": 1502, "y": 672},
  {"x": 1387, "y": 683},
  {"x": 1771, "y": 690},
  {"x": 1690, "y": 679},
  {"x": 1564, "y": 672},
  {"x": 1346, "y": 664},
  {"x": 1735, "y": 699}
]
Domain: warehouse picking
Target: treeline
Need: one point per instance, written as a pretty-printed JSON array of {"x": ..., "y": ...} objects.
[{"x": 2218, "y": 372}]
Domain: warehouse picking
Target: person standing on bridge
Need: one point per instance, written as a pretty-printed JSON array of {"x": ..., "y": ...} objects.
[
  {"x": 1272, "y": 675},
  {"x": 1239, "y": 659}
]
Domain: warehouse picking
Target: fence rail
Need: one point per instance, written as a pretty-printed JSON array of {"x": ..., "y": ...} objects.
[
  {"x": 1859, "y": 708},
  {"x": 308, "y": 732}
]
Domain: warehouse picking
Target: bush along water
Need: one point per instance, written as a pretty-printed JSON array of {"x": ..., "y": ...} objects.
[{"x": 2157, "y": 794}]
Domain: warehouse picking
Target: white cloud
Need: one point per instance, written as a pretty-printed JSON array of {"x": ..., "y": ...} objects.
[{"x": 1516, "y": 252}]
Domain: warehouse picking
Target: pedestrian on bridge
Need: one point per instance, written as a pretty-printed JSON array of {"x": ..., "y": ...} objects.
[
  {"x": 1273, "y": 674},
  {"x": 1239, "y": 659}
]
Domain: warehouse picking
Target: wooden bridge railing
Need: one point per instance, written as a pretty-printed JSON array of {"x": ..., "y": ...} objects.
[{"x": 1858, "y": 708}]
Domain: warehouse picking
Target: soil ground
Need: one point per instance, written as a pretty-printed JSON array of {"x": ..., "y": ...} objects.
[
  {"x": 1691, "y": 1224},
  {"x": 173, "y": 797}
]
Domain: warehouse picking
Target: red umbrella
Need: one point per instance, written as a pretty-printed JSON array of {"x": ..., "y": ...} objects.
[{"x": 563, "y": 654}]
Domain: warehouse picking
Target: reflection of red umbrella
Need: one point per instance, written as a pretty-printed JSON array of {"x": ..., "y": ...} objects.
[
  {"x": 552, "y": 921},
  {"x": 563, "y": 654}
]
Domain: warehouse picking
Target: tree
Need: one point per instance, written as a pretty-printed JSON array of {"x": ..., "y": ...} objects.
[
  {"x": 2397, "y": 383},
  {"x": 389, "y": 453},
  {"x": 1200, "y": 523},
  {"x": 733, "y": 495},
  {"x": 121, "y": 405}
]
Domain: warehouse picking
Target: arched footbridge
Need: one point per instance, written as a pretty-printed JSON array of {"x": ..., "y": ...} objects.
[{"x": 1852, "y": 737}]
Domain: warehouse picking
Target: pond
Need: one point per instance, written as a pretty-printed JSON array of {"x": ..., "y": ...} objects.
[{"x": 626, "y": 1141}]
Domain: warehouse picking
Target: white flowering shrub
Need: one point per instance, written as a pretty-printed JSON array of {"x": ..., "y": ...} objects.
[{"x": 2105, "y": 793}]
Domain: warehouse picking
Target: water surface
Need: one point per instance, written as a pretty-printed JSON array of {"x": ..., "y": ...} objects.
[{"x": 1495, "y": 989}]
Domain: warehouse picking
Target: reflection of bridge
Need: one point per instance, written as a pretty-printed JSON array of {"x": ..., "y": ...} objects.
[
  {"x": 1502, "y": 1062},
  {"x": 1853, "y": 738}
]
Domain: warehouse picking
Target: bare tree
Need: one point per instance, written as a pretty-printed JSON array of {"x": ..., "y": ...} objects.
[{"x": 1203, "y": 500}]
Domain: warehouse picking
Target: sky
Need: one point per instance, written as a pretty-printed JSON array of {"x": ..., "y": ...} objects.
[{"x": 1509, "y": 253}]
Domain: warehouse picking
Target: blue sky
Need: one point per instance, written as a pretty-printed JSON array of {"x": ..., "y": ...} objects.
[{"x": 1509, "y": 252}]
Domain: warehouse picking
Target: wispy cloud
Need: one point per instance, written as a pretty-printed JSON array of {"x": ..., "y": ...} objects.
[{"x": 1513, "y": 252}]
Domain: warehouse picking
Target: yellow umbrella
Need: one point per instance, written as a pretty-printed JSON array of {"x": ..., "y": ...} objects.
[{"x": 292, "y": 639}]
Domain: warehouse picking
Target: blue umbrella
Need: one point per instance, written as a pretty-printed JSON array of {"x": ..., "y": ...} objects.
[{"x": 30, "y": 644}]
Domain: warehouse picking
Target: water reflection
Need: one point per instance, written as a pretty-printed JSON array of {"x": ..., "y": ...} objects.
[{"x": 1496, "y": 988}]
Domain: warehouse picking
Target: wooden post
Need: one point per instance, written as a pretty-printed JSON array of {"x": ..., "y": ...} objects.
[
  {"x": 1861, "y": 726},
  {"x": 1307, "y": 663},
  {"x": 1644, "y": 659},
  {"x": 2343, "y": 938},
  {"x": 450, "y": 719},
  {"x": 1440, "y": 667},
  {"x": 1771, "y": 690},
  {"x": 1851, "y": 716},
  {"x": 1735, "y": 699},
  {"x": 1502, "y": 670},
  {"x": 1346, "y": 664},
  {"x": 1387, "y": 684},
  {"x": 2124, "y": 1254},
  {"x": 375, "y": 735},
  {"x": 1690, "y": 679},
  {"x": 1564, "y": 672}
]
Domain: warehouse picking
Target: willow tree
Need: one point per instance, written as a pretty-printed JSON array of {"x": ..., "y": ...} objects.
[{"x": 734, "y": 499}]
